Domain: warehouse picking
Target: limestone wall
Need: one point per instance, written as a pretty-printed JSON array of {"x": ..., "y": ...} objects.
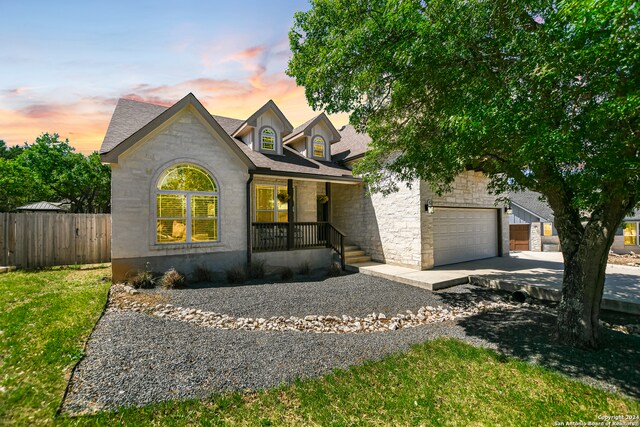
[
  {"x": 185, "y": 139},
  {"x": 385, "y": 227},
  {"x": 469, "y": 189}
]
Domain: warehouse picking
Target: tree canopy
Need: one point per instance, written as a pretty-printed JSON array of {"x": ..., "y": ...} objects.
[
  {"x": 542, "y": 95},
  {"x": 51, "y": 170}
]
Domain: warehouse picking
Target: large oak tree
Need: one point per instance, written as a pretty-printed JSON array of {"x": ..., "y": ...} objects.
[{"x": 542, "y": 95}]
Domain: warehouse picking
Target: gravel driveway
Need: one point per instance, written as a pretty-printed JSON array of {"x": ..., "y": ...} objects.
[{"x": 135, "y": 359}]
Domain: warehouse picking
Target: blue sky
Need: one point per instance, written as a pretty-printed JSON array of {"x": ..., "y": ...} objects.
[{"x": 66, "y": 63}]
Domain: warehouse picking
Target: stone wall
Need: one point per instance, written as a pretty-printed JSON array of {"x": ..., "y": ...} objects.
[
  {"x": 469, "y": 189},
  {"x": 535, "y": 233},
  {"x": 386, "y": 227},
  {"x": 185, "y": 139},
  {"x": 306, "y": 201},
  {"x": 396, "y": 229}
]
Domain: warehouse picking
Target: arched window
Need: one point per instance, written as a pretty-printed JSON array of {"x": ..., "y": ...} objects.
[
  {"x": 318, "y": 146},
  {"x": 186, "y": 206},
  {"x": 268, "y": 139}
]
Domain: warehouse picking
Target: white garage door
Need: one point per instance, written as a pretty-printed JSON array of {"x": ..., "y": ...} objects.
[{"x": 464, "y": 234}]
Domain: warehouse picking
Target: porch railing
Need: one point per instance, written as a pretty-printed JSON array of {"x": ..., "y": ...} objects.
[{"x": 286, "y": 236}]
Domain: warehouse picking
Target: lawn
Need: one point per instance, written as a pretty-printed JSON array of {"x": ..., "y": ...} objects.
[{"x": 46, "y": 317}]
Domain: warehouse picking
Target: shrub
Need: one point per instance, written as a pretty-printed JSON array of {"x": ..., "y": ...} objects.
[
  {"x": 172, "y": 279},
  {"x": 236, "y": 274},
  {"x": 304, "y": 268},
  {"x": 142, "y": 280},
  {"x": 287, "y": 274},
  {"x": 334, "y": 270},
  {"x": 202, "y": 274},
  {"x": 256, "y": 269}
]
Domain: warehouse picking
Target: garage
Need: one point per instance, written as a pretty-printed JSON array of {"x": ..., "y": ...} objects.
[
  {"x": 464, "y": 234},
  {"x": 519, "y": 237}
]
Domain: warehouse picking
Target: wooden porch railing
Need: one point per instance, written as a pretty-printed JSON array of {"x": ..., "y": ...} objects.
[{"x": 286, "y": 236}]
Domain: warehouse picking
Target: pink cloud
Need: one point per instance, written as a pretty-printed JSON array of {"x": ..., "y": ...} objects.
[
  {"x": 245, "y": 54},
  {"x": 85, "y": 121}
]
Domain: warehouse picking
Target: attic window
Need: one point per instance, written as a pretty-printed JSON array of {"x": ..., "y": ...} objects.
[
  {"x": 268, "y": 139},
  {"x": 318, "y": 146}
]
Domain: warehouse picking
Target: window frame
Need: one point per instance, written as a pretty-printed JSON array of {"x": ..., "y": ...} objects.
[
  {"x": 324, "y": 147},
  {"x": 261, "y": 142},
  {"x": 189, "y": 218},
  {"x": 275, "y": 210},
  {"x": 635, "y": 237},
  {"x": 546, "y": 225}
]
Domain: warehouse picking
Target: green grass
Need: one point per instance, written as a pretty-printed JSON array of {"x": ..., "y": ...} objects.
[{"x": 46, "y": 317}]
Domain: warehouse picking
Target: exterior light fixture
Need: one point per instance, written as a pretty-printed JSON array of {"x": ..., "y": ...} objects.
[
  {"x": 508, "y": 209},
  {"x": 429, "y": 206}
]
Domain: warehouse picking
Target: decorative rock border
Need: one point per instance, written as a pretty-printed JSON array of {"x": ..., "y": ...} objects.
[{"x": 375, "y": 322}]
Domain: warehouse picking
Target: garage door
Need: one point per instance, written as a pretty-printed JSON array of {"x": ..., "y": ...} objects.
[
  {"x": 519, "y": 237},
  {"x": 464, "y": 234}
]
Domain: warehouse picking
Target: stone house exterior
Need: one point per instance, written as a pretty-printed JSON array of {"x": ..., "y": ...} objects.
[{"x": 191, "y": 189}]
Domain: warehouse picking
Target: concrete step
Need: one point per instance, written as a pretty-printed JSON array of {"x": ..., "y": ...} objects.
[
  {"x": 348, "y": 248},
  {"x": 350, "y": 254},
  {"x": 357, "y": 259}
]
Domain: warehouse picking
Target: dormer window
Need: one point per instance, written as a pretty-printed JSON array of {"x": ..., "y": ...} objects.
[
  {"x": 318, "y": 146},
  {"x": 267, "y": 139}
]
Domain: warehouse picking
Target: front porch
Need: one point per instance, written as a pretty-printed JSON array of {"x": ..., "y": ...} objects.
[
  {"x": 288, "y": 236},
  {"x": 292, "y": 215}
]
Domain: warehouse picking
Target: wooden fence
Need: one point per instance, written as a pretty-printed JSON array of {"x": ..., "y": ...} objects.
[{"x": 30, "y": 240}]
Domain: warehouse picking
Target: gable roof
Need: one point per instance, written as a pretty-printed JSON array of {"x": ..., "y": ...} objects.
[
  {"x": 352, "y": 144},
  {"x": 253, "y": 119},
  {"x": 530, "y": 201},
  {"x": 40, "y": 206},
  {"x": 128, "y": 120},
  {"x": 306, "y": 127},
  {"x": 111, "y": 154}
]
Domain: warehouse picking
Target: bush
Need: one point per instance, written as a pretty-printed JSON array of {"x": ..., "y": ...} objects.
[
  {"x": 334, "y": 270},
  {"x": 304, "y": 268},
  {"x": 287, "y": 274},
  {"x": 236, "y": 274},
  {"x": 172, "y": 279},
  {"x": 202, "y": 274},
  {"x": 142, "y": 280},
  {"x": 256, "y": 269}
]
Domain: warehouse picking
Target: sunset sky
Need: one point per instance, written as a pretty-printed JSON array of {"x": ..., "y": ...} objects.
[{"x": 65, "y": 64}]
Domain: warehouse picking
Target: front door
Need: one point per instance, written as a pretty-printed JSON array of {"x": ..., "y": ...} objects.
[{"x": 519, "y": 237}]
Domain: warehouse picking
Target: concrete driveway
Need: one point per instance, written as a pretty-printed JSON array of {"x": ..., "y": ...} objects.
[{"x": 539, "y": 272}]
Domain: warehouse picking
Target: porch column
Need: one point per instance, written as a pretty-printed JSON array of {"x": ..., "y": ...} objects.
[
  {"x": 327, "y": 190},
  {"x": 290, "y": 214}
]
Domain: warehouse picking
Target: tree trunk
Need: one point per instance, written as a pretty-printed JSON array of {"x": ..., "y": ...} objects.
[{"x": 585, "y": 251}]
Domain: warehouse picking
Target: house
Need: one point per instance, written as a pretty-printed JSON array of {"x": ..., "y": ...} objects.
[
  {"x": 531, "y": 226},
  {"x": 531, "y": 223},
  {"x": 193, "y": 189}
]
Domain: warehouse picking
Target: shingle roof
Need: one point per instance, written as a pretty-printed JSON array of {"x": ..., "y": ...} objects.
[
  {"x": 299, "y": 129},
  {"x": 129, "y": 116},
  {"x": 530, "y": 201},
  {"x": 352, "y": 144},
  {"x": 312, "y": 122},
  {"x": 40, "y": 206}
]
